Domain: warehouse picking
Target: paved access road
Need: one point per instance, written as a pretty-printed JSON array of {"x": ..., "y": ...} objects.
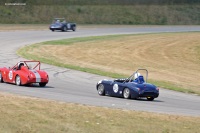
[{"x": 79, "y": 87}]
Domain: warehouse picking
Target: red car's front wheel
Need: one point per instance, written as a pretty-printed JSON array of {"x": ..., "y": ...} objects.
[
  {"x": 18, "y": 80},
  {"x": 1, "y": 78}
]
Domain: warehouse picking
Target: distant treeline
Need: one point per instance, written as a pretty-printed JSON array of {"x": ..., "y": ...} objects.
[
  {"x": 131, "y": 12},
  {"x": 102, "y": 2}
]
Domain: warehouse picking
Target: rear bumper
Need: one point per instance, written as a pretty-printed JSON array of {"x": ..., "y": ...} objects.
[
  {"x": 149, "y": 94},
  {"x": 145, "y": 94},
  {"x": 34, "y": 80}
]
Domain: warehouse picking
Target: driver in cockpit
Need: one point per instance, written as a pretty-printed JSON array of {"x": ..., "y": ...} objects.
[
  {"x": 20, "y": 65},
  {"x": 138, "y": 78}
]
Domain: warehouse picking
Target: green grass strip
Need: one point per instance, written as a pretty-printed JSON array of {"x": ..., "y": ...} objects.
[{"x": 23, "y": 52}]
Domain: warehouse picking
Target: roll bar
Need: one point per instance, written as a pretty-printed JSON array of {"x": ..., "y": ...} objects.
[
  {"x": 25, "y": 62},
  {"x": 131, "y": 77}
]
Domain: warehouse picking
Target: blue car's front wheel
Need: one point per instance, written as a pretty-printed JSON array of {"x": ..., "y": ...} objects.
[
  {"x": 101, "y": 90},
  {"x": 64, "y": 28},
  {"x": 126, "y": 93}
]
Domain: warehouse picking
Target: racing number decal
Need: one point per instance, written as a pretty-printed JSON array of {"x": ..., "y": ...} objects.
[
  {"x": 10, "y": 75},
  {"x": 68, "y": 26},
  {"x": 115, "y": 88}
]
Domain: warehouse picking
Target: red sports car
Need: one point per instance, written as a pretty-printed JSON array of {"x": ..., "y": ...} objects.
[{"x": 24, "y": 73}]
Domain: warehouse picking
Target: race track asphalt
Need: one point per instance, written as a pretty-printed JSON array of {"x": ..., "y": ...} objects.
[{"x": 79, "y": 87}]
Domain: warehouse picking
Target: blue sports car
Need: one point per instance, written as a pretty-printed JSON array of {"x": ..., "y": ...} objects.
[
  {"x": 62, "y": 24},
  {"x": 133, "y": 87}
]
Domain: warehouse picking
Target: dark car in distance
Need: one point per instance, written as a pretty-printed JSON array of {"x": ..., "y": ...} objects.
[{"x": 62, "y": 24}]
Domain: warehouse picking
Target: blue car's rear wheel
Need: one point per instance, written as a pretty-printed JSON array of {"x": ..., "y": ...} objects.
[
  {"x": 126, "y": 93},
  {"x": 74, "y": 28},
  {"x": 101, "y": 90},
  {"x": 150, "y": 98}
]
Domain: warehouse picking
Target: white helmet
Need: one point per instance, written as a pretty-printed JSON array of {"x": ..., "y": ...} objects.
[
  {"x": 136, "y": 75},
  {"x": 20, "y": 64}
]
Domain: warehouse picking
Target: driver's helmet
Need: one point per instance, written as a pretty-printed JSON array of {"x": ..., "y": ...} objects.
[
  {"x": 136, "y": 75},
  {"x": 20, "y": 64}
]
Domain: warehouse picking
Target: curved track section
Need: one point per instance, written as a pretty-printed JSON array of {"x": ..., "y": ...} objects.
[{"x": 78, "y": 87}]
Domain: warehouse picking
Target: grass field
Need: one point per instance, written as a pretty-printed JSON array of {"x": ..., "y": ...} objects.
[
  {"x": 22, "y": 114},
  {"x": 172, "y": 59}
]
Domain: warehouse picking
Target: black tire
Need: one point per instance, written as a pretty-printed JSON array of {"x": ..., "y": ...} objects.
[
  {"x": 18, "y": 80},
  {"x": 101, "y": 90},
  {"x": 74, "y": 28},
  {"x": 150, "y": 98},
  {"x": 1, "y": 78},
  {"x": 126, "y": 93},
  {"x": 64, "y": 28},
  {"x": 52, "y": 30},
  {"x": 42, "y": 84}
]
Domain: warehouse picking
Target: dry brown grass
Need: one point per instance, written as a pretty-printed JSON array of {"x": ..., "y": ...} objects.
[
  {"x": 170, "y": 57},
  {"x": 23, "y": 114}
]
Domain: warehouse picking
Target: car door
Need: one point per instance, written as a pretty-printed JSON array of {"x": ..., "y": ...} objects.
[
  {"x": 68, "y": 26},
  {"x": 115, "y": 88},
  {"x": 10, "y": 75},
  {"x": 108, "y": 87}
]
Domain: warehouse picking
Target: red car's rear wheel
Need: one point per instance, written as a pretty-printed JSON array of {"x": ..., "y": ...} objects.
[{"x": 42, "y": 84}]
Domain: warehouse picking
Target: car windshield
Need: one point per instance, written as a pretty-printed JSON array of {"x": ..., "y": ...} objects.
[{"x": 58, "y": 21}]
